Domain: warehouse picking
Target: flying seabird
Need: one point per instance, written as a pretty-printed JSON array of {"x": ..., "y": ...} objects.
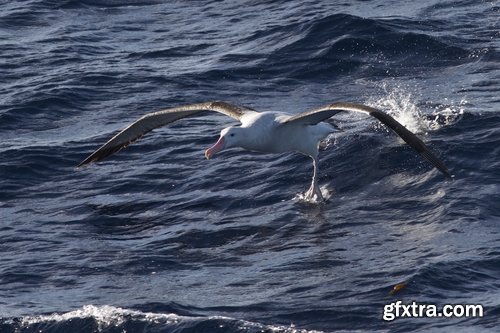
[{"x": 269, "y": 132}]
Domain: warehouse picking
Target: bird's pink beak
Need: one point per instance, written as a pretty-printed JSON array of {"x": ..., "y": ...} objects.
[{"x": 217, "y": 147}]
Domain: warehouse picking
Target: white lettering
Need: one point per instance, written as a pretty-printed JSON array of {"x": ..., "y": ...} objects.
[{"x": 414, "y": 310}]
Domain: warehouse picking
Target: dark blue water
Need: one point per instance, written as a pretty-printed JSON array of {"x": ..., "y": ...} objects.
[{"x": 157, "y": 239}]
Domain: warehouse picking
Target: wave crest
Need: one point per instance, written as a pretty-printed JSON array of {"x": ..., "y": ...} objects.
[{"x": 108, "y": 318}]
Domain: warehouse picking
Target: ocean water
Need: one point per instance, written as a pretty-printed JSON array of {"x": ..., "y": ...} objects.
[{"x": 158, "y": 239}]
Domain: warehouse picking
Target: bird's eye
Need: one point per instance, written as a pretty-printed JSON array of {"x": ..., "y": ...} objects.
[{"x": 232, "y": 134}]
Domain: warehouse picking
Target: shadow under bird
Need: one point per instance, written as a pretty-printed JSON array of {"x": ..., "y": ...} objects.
[{"x": 269, "y": 132}]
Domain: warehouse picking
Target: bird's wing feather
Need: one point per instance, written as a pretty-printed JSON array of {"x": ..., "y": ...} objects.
[
  {"x": 321, "y": 114},
  {"x": 157, "y": 119}
]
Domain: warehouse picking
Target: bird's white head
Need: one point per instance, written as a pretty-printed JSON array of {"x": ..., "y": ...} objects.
[{"x": 229, "y": 137}]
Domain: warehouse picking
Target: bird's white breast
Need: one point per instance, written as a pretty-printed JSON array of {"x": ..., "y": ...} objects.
[{"x": 266, "y": 133}]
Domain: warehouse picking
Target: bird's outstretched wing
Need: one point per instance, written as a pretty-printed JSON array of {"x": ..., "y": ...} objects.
[
  {"x": 317, "y": 115},
  {"x": 157, "y": 119}
]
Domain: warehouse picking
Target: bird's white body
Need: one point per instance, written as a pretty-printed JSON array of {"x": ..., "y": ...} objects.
[{"x": 266, "y": 132}]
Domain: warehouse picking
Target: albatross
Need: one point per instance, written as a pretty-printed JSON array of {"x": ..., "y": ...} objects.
[{"x": 269, "y": 132}]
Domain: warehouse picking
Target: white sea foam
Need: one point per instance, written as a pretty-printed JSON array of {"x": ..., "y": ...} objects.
[
  {"x": 105, "y": 316},
  {"x": 108, "y": 316}
]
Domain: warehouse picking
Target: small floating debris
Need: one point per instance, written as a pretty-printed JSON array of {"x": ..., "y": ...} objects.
[{"x": 397, "y": 288}]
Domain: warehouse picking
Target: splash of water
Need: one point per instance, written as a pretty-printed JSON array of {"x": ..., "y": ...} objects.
[
  {"x": 325, "y": 192},
  {"x": 400, "y": 103}
]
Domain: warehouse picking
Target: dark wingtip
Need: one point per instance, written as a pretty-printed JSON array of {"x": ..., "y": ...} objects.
[
  {"x": 437, "y": 163},
  {"x": 102, "y": 153},
  {"x": 84, "y": 162},
  {"x": 95, "y": 156},
  {"x": 411, "y": 139}
]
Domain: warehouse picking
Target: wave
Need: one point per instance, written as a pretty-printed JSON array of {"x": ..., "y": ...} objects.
[
  {"x": 337, "y": 45},
  {"x": 106, "y": 318}
]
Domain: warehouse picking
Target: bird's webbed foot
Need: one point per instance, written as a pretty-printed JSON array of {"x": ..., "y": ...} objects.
[{"x": 314, "y": 194}]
